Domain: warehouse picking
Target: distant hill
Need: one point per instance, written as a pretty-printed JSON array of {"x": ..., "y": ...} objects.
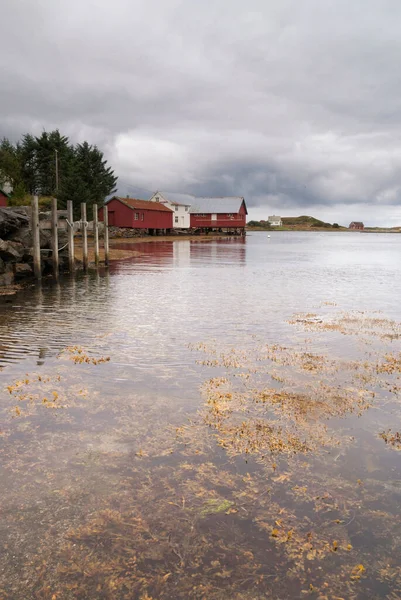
[
  {"x": 306, "y": 222},
  {"x": 301, "y": 223}
]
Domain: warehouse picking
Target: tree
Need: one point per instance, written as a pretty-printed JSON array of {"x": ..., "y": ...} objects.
[
  {"x": 30, "y": 166},
  {"x": 10, "y": 170},
  {"x": 27, "y": 157},
  {"x": 45, "y": 156},
  {"x": 88, "y": 179}
]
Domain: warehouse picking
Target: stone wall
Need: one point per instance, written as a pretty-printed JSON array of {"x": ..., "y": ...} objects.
[{"x": 16, "y": 245}]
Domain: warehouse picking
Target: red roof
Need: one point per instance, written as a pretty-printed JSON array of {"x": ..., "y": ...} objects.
[{"x": 143, "y": 204}]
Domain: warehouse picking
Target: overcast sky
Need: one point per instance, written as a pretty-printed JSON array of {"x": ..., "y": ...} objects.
[{"x": 294, "y": 104}]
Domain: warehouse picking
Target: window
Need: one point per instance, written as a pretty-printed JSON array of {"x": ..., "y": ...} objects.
[
  {"x": 186, "y": 209},
  {"x": 136, "y": 216},
  {"x": 176, "y": 208},
  {"x": 157, "y": 199},
  {"x": 176, "y": 219},
  {"x": 230, "y": 215},
  {"x": 200, "y": 215},
  {"x": 142, "y": 216}
]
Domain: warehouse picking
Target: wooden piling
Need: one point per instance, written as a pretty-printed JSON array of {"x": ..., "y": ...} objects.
[
  {"x": 54, "y": 234},
  {"x": 70, "y": 225},
  {"x": 84, "y": 236},
  {"x": 106, "y": 234},
  {"x": 36, "y": 238},
  {"x": 96, "y": 233}
]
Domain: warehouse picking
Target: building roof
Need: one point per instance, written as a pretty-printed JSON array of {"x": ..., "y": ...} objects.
[
  {"x": 4, "y": 193},
  {"x": 229, "y": 204},
  {"x": 359, "y": 223},
  {"x": 136, "y": 204},
  {"x": 274, "y": 217},
  {"x": 178, "y": 199}
]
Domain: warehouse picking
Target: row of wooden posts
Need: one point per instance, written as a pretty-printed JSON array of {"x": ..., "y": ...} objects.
[{"x": 37, "y": 267}]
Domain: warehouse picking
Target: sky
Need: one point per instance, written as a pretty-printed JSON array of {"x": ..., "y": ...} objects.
[{"x": 294, "y": 105}]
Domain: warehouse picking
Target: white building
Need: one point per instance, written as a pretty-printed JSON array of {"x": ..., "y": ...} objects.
[
  {"x": 275, "y": 221},
  {"x": 179, "y": 203}
]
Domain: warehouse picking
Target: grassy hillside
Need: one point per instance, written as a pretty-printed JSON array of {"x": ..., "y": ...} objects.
[
  {"x": 301, "y": 223},
  {"x": 306, "y": 222}
]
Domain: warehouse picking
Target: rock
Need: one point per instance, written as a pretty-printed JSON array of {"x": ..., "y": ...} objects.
[
  {"x": 11, "y": 251},
  {"x": 7, "y": 278},
  {"x": 24, "y": 237},
  {"x": 22, "y": 270},
  {"x": 7, "y": 275},
  {"x": 11, "y": 220}
]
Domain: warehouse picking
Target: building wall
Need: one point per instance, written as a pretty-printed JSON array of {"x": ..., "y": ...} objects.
[
  {"x": 3, "y": 200},
  {"x": 181, "y": 217},
  {"x": 121, "y": 215},
  {"x": 211, "y": 221}
]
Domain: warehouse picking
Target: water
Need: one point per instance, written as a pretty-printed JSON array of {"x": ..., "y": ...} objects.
[{"x": 230, "y": 447}]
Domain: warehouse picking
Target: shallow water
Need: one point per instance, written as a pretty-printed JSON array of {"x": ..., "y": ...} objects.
[{"x": 139, "y": 477}]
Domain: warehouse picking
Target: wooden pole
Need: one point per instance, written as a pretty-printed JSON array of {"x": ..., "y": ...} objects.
[
  {"x": 96, "y": 233},
  {"x": 54, "y": 232},
  {"x": 70, "y": 225},
  {"x": 36, "y": 238},
  {"x": 84, "y": 236},
  {"x": 106, "y": 234}
]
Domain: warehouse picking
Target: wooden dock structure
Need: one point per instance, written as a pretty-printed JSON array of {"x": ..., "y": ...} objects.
[{"x": 55, "y": 224}]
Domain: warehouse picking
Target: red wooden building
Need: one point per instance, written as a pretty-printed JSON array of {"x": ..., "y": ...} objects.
[
  {"x": 3, "y": 198},
  {"x": 219, "y": 213},
  {"x": 138, "y": 214},
  {"x": 357, "y": 225}
]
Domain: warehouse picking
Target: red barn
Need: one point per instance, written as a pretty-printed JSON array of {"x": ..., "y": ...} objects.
[
  {"x": 3, "y": 198},
  {"x": 358, "y": 225},
  {"x": 216, "y": 213},
  {"x": 138, "y": 214}
]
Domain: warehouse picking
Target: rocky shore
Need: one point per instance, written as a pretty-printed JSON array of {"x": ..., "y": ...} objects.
[{"x": 16, "y": 251}]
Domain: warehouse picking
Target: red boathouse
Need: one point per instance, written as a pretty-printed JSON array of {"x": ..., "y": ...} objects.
[
  {"x": 138, "y": 214},
  {"x": 218, "y": 213},
  {"x": 358, "y": 225}
]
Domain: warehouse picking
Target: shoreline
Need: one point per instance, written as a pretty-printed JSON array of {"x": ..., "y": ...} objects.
[{"x": 322, "y": 230}]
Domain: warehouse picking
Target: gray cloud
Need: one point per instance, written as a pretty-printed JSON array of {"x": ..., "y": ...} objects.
[{"x": 293, "y": 104}]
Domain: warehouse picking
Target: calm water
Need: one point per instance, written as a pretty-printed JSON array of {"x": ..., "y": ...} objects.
[{"x": 139, "y": 477}]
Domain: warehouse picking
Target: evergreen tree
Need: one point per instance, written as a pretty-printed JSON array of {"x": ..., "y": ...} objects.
[
  {"x": 27, "y": 156},
  {"x": 83, "y": 174},
  {"x": 10, "y": 170}
]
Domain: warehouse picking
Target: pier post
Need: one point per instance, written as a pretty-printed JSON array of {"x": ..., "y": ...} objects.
[
  {"x": 84, "y": 236},
  {"x": 36, "y": 238},
  {"x": 106, "y": 234},
  {"x": 54, "y": 234},
  {"x": 96, "y": 233},
  {"x": 70, "y": 225}
]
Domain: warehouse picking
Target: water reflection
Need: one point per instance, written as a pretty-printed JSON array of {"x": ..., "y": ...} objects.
[{"x": 113, "y": 486}]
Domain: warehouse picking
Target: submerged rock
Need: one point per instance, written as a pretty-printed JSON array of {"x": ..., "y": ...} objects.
[{"x": 23, "y": 270}]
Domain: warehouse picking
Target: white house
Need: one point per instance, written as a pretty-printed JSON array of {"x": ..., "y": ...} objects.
[
  {"x": 275, "y": 221},
  {"x": 179, "y": 203}
]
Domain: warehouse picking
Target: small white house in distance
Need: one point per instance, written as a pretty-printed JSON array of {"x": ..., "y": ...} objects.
[
  {"x": 275, "y": 221},
  {"x": 179, "y": 203}
]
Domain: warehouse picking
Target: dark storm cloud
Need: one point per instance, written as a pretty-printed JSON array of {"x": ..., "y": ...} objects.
[{"x": 293, "y": 104}]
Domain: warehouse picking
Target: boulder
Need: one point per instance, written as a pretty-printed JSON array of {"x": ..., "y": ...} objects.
[
  {"x": 6, "y": 274},
  {"x": 7, "y": 278},
  {"x": 22, "y": 270},
  {"x": 11, "y": 220},
  {"x": 11, "y": 251},
  {"x": 24, "y": 237}
]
